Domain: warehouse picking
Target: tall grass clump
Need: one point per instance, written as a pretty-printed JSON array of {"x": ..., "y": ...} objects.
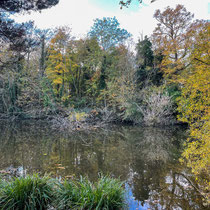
[
  {"x": 67, "y": 195},
  {"x": 107, "y": 193},
  {"x": 31, "y": 192}
]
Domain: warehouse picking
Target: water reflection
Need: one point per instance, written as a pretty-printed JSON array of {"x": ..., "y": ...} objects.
[{"x": 146, "y": 158}]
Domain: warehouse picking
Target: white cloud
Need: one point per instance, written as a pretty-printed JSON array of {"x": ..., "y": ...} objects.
[{"x": 79, "y": 15}]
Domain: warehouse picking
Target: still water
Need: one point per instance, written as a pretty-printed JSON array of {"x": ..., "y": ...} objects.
[{"x": 145, "y": 158}]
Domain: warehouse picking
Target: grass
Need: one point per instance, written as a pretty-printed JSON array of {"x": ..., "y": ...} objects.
[
  {"x": 107, "y": 193},
  {"x": 31, "y": 192},
  {"x": 34, "y": 192}
]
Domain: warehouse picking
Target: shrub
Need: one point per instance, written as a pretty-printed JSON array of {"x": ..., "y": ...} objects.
[
  {"x": 157, "y": 108},
  {"x": 132, "y": 113},
  {"x": 31, "y": 192}
]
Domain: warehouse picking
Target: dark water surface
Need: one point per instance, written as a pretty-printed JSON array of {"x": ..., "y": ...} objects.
[{"x": 145, "y": 158}]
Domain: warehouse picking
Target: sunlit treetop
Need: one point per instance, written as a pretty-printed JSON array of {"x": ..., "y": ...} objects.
[{"x": 26, "y": 5}]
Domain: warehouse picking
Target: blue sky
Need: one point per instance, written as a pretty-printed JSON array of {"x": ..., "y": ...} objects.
[
  {"x": 113, "y": 5},
  {"x": 79, "y": 14}
]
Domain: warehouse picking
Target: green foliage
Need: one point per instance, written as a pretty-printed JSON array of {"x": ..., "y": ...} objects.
[
  {"x": 144, "y": 55},
  {"x": 148, "y": 74},
  {"x": 34, "y": 192},
  {"x": 132, "y": 113},
  {"x": 107, "y": 193},
  {"x": 173, "y": 91},
  {"x": 10, "y": 94},
  {"x": 78, "y": 103},
  {"x": 31, "y": 192},
  {"x": 48, "y": 96}
]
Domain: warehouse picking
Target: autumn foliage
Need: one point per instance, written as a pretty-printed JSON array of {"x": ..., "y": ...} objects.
[
  {"x": 194, "y": 103},
  {"x": 186, "y": 59},
  {"x": 171, "y": 38},
  {"x": 166, "y": 81}
]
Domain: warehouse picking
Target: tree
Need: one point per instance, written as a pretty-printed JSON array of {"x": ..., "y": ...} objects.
[
  {"x": 16, "y": 47},
  {"x": 26, "y": 5},
  {"x": 12, "y": 33},
  {"x": 43, "y": 36},
  {"x": 108, "y": 32},
  {"x": 15, "y": 42},
  {"x": 58, "y": 62},
  {"x": 88, "y": 56},
  {"x": 171, "y": 38},
  {"x": 121, "y": 83},
  {"x": 194, "y": 103},
  {"x": 144, "y": 55},
  {"x": 147, "y": 73}
]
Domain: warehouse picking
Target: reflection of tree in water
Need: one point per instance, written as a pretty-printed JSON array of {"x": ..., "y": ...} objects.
[
  {"x": 156, "y": 145},
  {"x": 22, "y": 145},
  {"x": 146, "y": 158},
  {"x": 36, "y": 148},
  {"x": 178, "y": 190},
  {"x": 151, "y": 150},
  {"x": 155, "y": 163}
]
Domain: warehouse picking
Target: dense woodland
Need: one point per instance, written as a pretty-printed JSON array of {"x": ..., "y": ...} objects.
[{"x": 160, "y": 80}]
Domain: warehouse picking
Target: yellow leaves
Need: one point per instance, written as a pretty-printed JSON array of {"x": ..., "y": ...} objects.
[
  {"x": 58, "y": 64},
  {"x": 194, "y": 108},
  {"x": 75, "y": 65},
  {"x": 195, "y": 98},
  {"x": 197, "y": 155},
  {"x": 57, "y": 81}
]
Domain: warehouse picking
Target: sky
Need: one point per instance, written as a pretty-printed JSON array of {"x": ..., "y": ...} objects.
[{"x": 137, "y": 19}]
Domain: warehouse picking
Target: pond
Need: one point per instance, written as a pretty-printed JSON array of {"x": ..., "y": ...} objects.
[{"x": 147, "y": 159}]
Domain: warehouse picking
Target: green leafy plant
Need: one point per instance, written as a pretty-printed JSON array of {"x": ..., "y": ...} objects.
[
  {"x": 107, "y": 193},
  {"x": 31, "y": 192}
]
